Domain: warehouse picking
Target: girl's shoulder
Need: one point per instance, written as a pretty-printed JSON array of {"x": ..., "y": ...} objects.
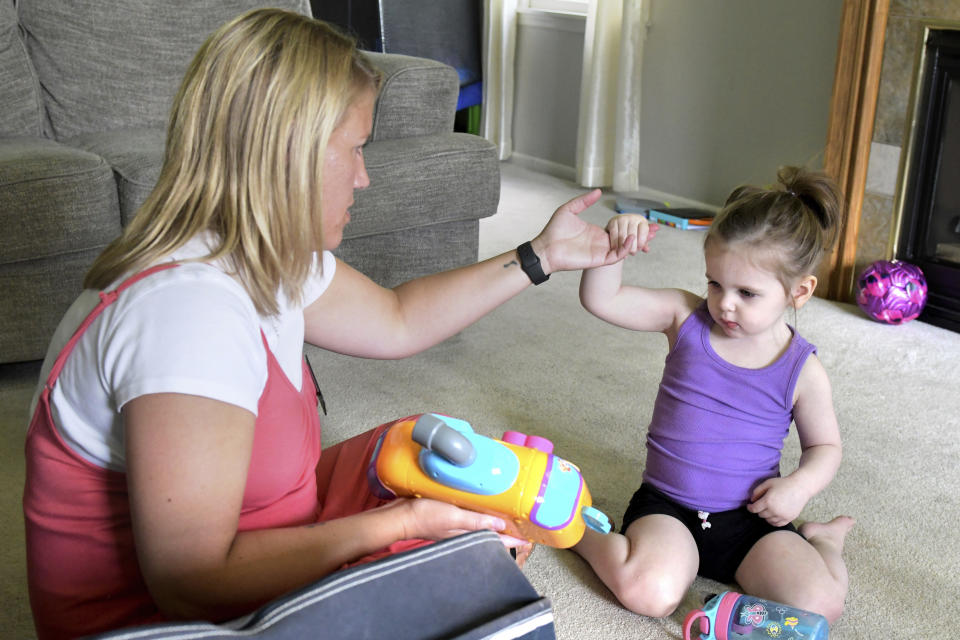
[{"x": 689, "y": 310}]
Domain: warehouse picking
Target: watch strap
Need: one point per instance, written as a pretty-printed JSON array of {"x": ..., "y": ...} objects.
[{"x": 530, "y": 263}]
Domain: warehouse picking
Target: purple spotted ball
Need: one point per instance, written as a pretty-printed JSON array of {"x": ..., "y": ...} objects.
[{"x": 892, "y": 292}]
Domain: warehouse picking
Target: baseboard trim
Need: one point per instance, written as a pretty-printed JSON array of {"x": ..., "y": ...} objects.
[
  {"x": 540, "y": 165},
  {"x": 564, "y": 172},
  {"x": 669, "y": 198}
]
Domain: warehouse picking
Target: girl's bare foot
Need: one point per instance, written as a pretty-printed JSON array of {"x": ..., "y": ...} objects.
[{"x": 833, "y": 532}]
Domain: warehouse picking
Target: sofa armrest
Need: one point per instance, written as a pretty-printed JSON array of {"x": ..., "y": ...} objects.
[{"x": 418, "y": 96}]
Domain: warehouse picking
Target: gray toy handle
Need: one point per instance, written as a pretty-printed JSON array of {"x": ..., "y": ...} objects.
[{"x": 435, "y": 435}]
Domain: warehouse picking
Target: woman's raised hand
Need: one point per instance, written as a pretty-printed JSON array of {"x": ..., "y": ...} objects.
[{"x": 569, "y": 243}]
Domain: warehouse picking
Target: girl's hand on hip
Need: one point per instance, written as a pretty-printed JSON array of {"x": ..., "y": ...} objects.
[{"x": 778, "y": 500}]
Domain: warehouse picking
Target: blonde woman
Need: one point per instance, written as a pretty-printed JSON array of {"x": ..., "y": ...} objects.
[{"x": 173, "y": 462}]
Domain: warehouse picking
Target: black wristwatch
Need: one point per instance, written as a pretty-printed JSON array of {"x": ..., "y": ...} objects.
[{"x": 530, "y": 264}]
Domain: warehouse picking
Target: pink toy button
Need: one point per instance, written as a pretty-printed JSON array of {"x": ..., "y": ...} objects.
[
  {"x": 532, "y": 442},
  {"x": 542, "y": 444},
  {"x": 515, "y": 437}
]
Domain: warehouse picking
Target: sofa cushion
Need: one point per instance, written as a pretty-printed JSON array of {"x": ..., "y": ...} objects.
[
  {"x": 136, "y": 156},
  {"x": 116, "y": 64},
  {"x": 36, "y": 294},
  {"x": 56, "y": 198},
  {"x": 410, "y": 183},
  {"x": 20, "y": 110},
  {"x": 392, "y": 258}
]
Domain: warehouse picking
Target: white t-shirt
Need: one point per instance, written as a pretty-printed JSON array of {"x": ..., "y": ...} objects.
[{"x": 191, "y": 329}]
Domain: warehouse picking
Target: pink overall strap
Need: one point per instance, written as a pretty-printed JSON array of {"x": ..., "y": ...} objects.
[{"x": 106, "y": 299}]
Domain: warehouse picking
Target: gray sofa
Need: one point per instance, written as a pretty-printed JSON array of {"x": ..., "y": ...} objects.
[{"x": 86, "y": 89}]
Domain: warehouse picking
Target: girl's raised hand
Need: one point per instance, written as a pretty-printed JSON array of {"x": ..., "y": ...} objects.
[
  {"x": 630, "y": 231},
  {"x": 568, "y": 243}
]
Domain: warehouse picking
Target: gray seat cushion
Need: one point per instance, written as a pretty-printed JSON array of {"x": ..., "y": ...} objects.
[
  {"x": 414, "y": 176},
  {"x": 36, "y": 294},
  {"x": 136, "y": 156},
  {"x": 59, "y": 207},
  {"x": 57, "y": 198}
]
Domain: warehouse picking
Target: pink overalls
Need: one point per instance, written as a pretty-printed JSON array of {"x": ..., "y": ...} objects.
[{"x": 81, "y": 562}]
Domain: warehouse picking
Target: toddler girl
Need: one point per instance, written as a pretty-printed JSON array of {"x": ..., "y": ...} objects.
[{"x": 712, "y": 501}]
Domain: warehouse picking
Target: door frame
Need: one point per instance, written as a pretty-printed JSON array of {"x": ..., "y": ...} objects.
[{"x": 853, "y": 106}]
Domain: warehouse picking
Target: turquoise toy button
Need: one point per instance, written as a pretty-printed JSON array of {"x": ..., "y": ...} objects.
[{"x": 596, "y": 519}]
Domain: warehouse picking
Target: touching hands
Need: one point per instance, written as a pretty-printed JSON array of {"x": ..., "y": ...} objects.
[
  {"x": 632, "y": 232},
  {"x": 778, "y": 500},
  {"x": 569, "y": 243}
]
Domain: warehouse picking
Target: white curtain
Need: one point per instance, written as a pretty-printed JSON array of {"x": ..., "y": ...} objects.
[
  {"x": 499, "y": 47},
  {"x": 608, "y": 135}
]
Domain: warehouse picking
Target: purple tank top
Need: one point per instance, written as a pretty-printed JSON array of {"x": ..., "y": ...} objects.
[{"x": 718, "y": 429}]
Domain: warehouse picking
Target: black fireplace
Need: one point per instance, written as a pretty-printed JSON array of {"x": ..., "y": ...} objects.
[{"x": 930, "y": 207}]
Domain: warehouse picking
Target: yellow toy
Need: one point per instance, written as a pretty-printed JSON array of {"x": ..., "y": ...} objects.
[{"x": 542, "y": 497}]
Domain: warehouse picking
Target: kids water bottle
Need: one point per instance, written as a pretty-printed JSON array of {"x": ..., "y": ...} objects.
[{"x": 732, "y": 616}]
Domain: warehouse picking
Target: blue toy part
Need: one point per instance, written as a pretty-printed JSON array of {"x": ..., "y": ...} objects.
[
  {"x": 710, "y": 610},
  {"x": 707, "y": 616},
  {"x": 494, "y": 468},
  {"x": 559, "y": 495},
  {"x": 596, "y": 520}
]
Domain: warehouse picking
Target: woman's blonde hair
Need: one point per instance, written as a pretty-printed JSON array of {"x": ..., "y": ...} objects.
[
  {"x": 244, "y": 154},
  {"x": 791, "y": 225}
]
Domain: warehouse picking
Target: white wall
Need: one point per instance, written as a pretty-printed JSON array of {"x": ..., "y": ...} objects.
[
  {"x": 547, "y": 94},
  {"x": 731, "y": 90}
]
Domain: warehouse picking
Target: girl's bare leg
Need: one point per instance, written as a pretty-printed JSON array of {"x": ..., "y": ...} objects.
[
  {"x": 806, "y": 572},
  {"x": 650, "y": 568}
]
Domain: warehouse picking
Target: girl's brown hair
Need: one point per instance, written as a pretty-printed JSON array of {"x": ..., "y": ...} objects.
[
  {"x": 792, "y": 225},
  {"x": 244, "y": 154}
]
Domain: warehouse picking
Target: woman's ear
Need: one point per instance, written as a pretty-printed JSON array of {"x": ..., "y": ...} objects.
[{"x": 803, "y": 290}]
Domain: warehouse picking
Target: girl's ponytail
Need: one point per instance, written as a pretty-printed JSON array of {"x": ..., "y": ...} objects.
[
  {"x": 819, "y": 196},
  {"x": 793, "y": 224}
]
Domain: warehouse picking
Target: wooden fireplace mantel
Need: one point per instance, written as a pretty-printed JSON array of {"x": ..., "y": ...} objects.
[{"x": 850, "y": 130}]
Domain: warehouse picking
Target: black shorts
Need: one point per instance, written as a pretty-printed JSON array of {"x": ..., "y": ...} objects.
[{"x": 722, "y": 546}]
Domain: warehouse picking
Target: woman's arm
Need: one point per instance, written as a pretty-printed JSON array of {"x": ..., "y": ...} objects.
[
  {"x": 780, "y": 500},
  {"x": 358, "y": 317},
  {"x": 187, "y": 460}
]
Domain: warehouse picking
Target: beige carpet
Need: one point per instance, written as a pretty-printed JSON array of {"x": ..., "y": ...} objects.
[{"x": 542, "y": 365}]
